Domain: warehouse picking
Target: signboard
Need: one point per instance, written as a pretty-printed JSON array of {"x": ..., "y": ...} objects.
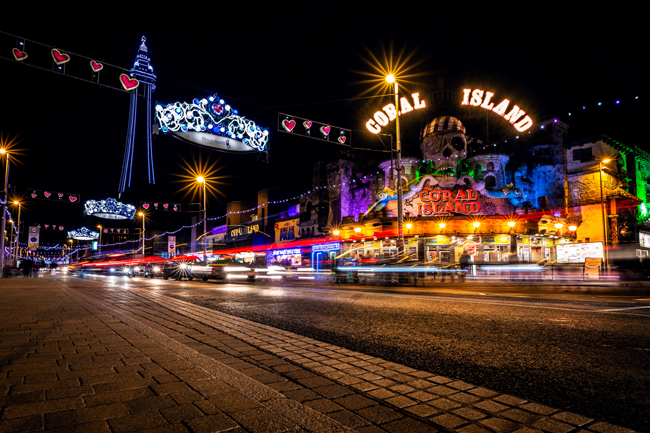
[
  {"x": 644, "y": 239},
  {"x": 496, "y": 239},
  {"x": 577, "y": 253},
  {"x": 286, "y": 257},
  {"x": 171, "y": 245},
  {"x": 372, "y": 244},
  {"x": 389, "y": 112},
  {"x": 326, "y": 247},
  {"x": 446, "y": 201},
  {"x": 591, "y": 266},
  {"x": 438, "y": 240},
  {"x": 33, "y": 239},
  {"x": 482, "y": 98},
  {"x": 286, "y": 231},
  {"x": 243, "y": 231}
]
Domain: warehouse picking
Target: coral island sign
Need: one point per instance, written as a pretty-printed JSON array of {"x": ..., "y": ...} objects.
[
  {"x": 444, "y": 201},
  {"x": 381, "y": 118},
  {"x": 482, "y": 98}
]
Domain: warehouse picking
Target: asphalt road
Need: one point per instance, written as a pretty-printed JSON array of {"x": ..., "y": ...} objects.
[{"x": 585, "y": 353}]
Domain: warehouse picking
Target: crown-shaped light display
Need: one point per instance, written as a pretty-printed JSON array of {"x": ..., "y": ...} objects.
[
  {"x": 110, "y": 209},
  {"x": 83, "y": 234},
  {"x": 212, "y": 116}
]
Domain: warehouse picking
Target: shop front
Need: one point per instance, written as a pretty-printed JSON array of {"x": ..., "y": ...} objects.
[{"x": 323, "y": 256}]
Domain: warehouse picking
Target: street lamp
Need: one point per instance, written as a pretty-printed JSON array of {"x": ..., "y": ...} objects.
[
  {"x": 16, "y": 202},
  {"x": 201, "y": 179},
  {"x": 99, "y": 247},
  {"x": 141, "y": 215},
  {"x": 400, "y": 217},
  {"x": 604, "y": 211},
  {"x": 3, "y": 223}
]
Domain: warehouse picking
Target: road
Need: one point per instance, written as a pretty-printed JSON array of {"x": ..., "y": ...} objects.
[{"x": 584, "y": 353}]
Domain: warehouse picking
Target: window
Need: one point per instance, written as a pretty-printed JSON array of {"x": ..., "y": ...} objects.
[
  {"x": 490, "y": 182},
  {"x": 490, "y": 166},
  {"x": 583, "y": 155}
]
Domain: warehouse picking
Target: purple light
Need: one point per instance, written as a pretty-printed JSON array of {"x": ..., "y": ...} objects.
[
  {"x": 554, "y": 120},
  {"x": 618, "y": 102}
]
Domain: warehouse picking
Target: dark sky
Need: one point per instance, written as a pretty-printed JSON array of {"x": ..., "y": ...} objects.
[{"x": 546, "y": 57}]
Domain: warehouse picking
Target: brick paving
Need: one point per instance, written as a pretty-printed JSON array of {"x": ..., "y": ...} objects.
[{"x": 79, "y": 355}]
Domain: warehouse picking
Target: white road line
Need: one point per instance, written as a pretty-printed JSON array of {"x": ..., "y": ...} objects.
[{"x": 622, "y": 309}]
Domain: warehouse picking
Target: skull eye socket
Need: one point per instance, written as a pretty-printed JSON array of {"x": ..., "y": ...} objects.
[
  {"x": 458, "y": 143},
  {"x": 447, "y": 152}
]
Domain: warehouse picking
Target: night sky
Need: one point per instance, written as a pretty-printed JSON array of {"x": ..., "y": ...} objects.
[{"x": 548, "y": 59}]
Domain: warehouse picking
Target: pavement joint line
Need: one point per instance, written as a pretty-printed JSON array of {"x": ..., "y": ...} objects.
[
  {"x": 199, "y": 311},
  {"x": 293, "y": 411}
]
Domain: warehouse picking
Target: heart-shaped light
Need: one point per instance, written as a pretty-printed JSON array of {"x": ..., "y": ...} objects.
[
  {"x": 146, "y": 205},
  {"x": 60, "y": 195},
  {"x": 105, "y": 230},
  {"x": 307, "y": 124},
  {"x": 60, "y": 227},
  {"x": 288, "y": 125},
  {"x": 59, "y": 57},
  {"x": 73, "y": 198},
  {"x": 118, "y": 230},
  {"x": 325, "y": 130},
  {"x": 33, "y": 195},
  {"x": 47, "y": 225},
  {"x": 175, "y": 208},
  {"x": 19, "y": 55},
  {"x": 165, "y": 205},
  {"x": 342, "y": 139},
  {"x": 128, "y": 83},
  {"x": 47, "y": 194},
  {"x": 96, "y": 66}
]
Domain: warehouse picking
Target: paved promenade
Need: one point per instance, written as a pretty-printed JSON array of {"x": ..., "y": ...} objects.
[{"x": 79, "y": 355}]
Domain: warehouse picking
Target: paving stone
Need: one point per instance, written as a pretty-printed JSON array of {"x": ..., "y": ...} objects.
[
  {"x": 348, "y": 418},
  {"x": 423, "y": 410},
  {"x": 509, "y": 399},
  {"x": 469, "y": 413},
  {"x": 441, "y": 390},
  {"x": 184, "y": 412},
  {"x": 149, "y": 404},
  {"x": 85, "y": 415},
  {"x": 518, "y": 415},
  {"x": 332, "y": 391},
  {"x": 142, "y": 421},
  {"x": 400, "y": 401},
  {"x": 378, "y": 414},
  {"x": 233, "y": 401},
  {"x": 444, "y": 404},
  {"x": 490, "y": 406},
  {"x": 572, "y": 418},
  {"x": 448, "y": 420},
  {"x": 118, "y": 397},
  {"x": 499, "y": 424},
  {"x": 605, "y": 427},
  {"x": 473, "y": 428},
  {"x": 42, "y": 407},
  {"x": 262, "y": 420},
  {"x": 22, "y": 424},
  {"x": 553, "y": 426},
  {"x": 538, "y": 408},
  {"x": 301, "y": 395},
  {"x": 382, "y": 393}
]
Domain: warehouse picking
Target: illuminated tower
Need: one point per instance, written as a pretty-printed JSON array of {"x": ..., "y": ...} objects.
[{"x": 143, "y": 72}]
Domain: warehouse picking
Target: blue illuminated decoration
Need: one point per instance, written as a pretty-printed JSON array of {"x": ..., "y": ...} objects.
[
  {"x": 143, "y": 72},
  {"x": 83, "y": 234},
  {"x": 326, "y": 247},
  {"x": 287, "y": 252},
  {"x": 212, "y": 123},
  {"x": 110, "y": 209}
]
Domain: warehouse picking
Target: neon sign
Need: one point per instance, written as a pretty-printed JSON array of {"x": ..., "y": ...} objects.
[
  {"x": 443, "y": 201},
  {"x": 475, "y": 98},
  {"x": 381, "y": 118},
  {"x": 326, "y": 247}
]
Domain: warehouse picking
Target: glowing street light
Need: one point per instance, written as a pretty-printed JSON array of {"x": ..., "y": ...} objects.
[
  {"x": 511, "y": 224},
  {"x": 3, "y": 223},
  {"x": 336, "y": 232},
  {"x": 390, "y": 79},
  {"x": 201, "y": 180},
  {"x": 476, "y": 224},
  {"x": 357, "y": 229},
  {"x": 17, "y": 203},
  {"x": 99, "y": 246},
  {"x": 442, "y": 225},
  {"x": 141, "y": 215}
]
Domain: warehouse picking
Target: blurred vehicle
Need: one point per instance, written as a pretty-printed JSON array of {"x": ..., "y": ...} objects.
[
  {"x": 177, "y": 270},
  {"x": 229, "y": 269},
  {"x": 152, "y": 270}
]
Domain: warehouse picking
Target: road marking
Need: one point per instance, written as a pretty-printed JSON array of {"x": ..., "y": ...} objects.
[{"x": 622, "y": 309}]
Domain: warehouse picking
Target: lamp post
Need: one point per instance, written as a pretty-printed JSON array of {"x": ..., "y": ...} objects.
[
  {"x": 99, "y": 247},
  {"x": 604, "y": 211},
  {"x": 141, "y": 215},
  {"x": 201, "y": 180},
  {"x": 400, "y": 217},
  {"x": 3, "y": 220},
  {"x": 16, "y": 202}
]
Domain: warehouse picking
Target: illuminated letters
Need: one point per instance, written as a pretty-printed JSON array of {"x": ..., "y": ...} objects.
[
  {"x": 475, "y": 98},
  {"x": 381, "y": 119},
  {"x": 443, "y": 201}
]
